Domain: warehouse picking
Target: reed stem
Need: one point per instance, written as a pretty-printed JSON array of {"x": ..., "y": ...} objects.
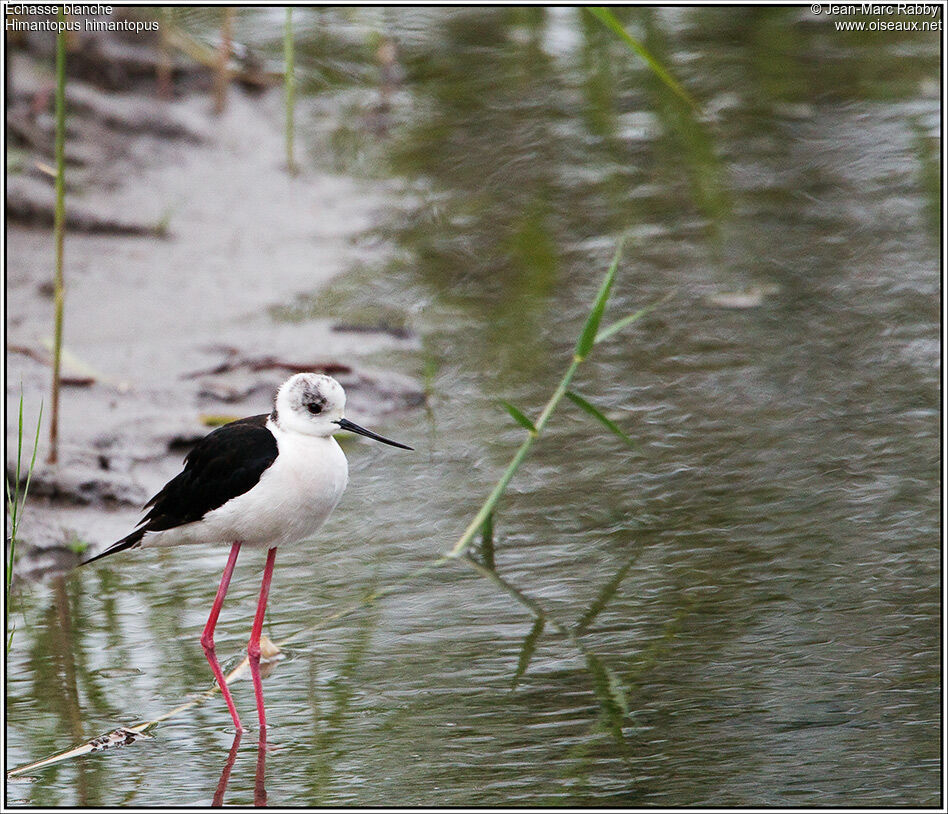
[
  {"x": 59, "y": 230},
  {"x": 289, "y": 82},
  {"x": 583, "y": 347},
  {"x": 488, "y": 506}
]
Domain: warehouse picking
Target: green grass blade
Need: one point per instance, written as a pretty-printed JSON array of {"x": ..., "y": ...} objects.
[
  {"x": 519, "y": 417},
  {"x": 19, "y": 440},
  {"x": 501, "y": 486},
  {"x": 29, "y": 474},
  {"x": 15, "y": 501},
  {"x": 608, "y": 19},
  {"x": 607, "y": 422},
  {"x": 527, "y": 650},
  {"x": 586, "y": 342},
  {"x": 615, "y": 327},
  {"x": 19, "y": 456},
  {"x": 588, "y": 337},
  {"x": 13, "y": 506}
]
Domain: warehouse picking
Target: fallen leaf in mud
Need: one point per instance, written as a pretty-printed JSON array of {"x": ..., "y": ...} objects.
[{"x": 34, "y": 353}]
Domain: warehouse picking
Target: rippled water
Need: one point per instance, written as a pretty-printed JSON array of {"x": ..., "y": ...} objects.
[{"x": 765, "y": 560}]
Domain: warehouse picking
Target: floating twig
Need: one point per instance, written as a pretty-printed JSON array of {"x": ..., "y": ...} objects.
[{"x": 125, "y": 736}]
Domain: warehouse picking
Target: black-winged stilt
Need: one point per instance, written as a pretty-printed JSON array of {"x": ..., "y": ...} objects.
[{"x": 263, "y": 481}]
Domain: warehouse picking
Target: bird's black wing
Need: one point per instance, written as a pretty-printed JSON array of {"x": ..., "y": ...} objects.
[{"x": 222, "y": 465}]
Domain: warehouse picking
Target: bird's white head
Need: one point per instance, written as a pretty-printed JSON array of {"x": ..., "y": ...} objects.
[
  {"x": 314, "y": 404},
  {"x": 309, "y": 403}
]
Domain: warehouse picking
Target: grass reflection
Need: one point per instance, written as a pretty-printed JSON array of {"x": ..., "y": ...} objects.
[
  {"x": 687, "y": 138},
  {"x": 609, "y": 689},
  {"x": 329, "y": 729}
]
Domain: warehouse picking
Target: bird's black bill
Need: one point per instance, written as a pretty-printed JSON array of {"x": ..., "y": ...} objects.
[{"x": 346, "y": 424}]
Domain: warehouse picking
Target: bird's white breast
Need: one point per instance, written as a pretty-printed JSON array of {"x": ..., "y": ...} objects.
[{"x": 292, "y": 499}]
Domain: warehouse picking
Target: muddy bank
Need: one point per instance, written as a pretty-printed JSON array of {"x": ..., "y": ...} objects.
[{"x": 168, "y": 320}]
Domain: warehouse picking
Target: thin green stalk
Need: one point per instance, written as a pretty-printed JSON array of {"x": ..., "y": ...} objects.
[
  {"x": 465, "y": 540},
  {"x": 289, "y": 82},
  {"x": 16, "y": 500},
  {"x": 13, "y": 501},
  {"x": 602, "y": 599},
  {"x": 59, "y": 231},
  {"x": 583, "y": 346}
]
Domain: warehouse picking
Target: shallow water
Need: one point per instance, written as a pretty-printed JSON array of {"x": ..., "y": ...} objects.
[{"x": 772, "y": 540}]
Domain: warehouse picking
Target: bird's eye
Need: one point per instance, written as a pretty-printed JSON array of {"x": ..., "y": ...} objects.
[{"x": 314, "y": 408}]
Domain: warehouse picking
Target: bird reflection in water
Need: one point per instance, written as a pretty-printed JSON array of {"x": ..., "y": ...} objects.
[
  {"x": 271, "y": 657},
  {"x": 259, "y": 783}
]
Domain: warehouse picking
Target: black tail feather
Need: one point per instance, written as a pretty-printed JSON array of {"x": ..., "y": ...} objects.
[{"x": 134, "y": 539}]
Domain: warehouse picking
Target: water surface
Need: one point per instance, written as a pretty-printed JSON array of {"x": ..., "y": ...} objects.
[{"x": 769, "y": 549}]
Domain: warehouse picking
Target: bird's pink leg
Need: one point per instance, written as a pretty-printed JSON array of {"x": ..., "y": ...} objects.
[
  {"x": 207, "y": 637},
  {"x": 253, "y": 649}
]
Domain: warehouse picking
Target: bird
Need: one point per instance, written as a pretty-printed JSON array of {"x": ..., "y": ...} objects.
[{"x": 262, "y": 482}]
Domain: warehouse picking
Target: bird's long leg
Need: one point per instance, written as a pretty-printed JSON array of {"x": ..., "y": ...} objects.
[
  {"x": 207, "y": 637},
  {"x": 253, "y": 649}
]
